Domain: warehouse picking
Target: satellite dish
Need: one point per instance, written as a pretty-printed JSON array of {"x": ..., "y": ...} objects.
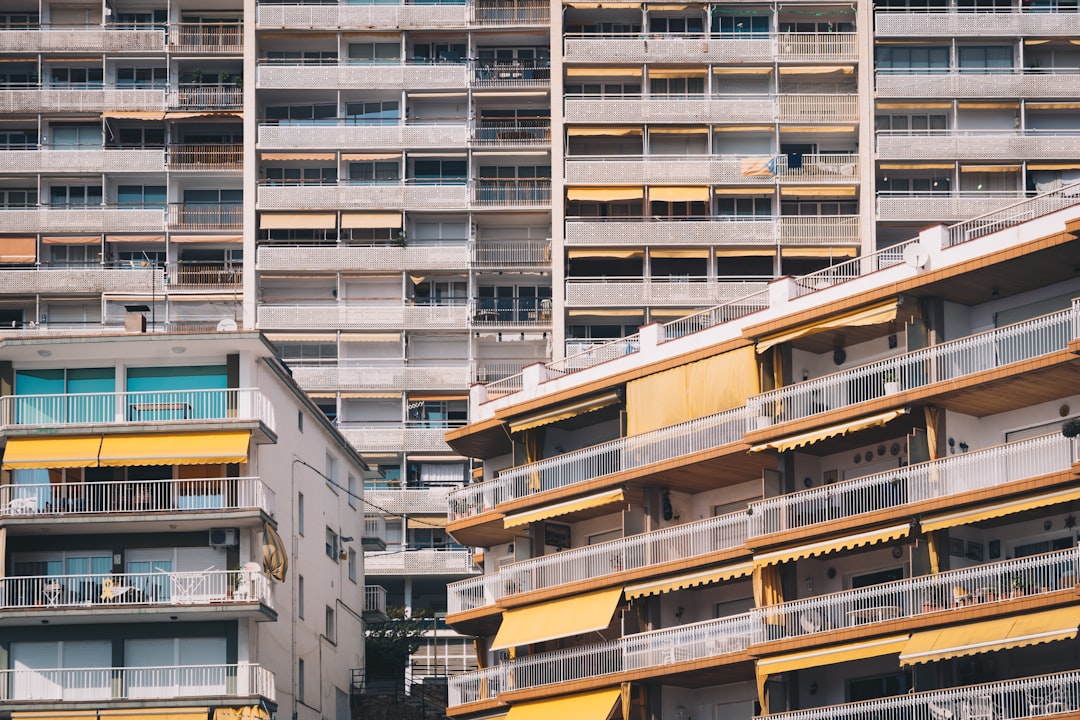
[
  {"x": 227, "y": 325},
  {"x": 916, "y": 256}
]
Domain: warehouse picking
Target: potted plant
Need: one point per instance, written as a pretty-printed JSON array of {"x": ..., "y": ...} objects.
[
  {"x": 892, "y": 383},
  {"x": 401, "y": 239},
  {"x": 1017, "y": 586}
]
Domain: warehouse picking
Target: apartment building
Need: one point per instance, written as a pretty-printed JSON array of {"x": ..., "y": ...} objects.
[
  {"x": 846, "y": 497},
  {"x": 170, "y": 545}
]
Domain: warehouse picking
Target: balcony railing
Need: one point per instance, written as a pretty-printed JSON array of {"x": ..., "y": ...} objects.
[
  {"x": 511, "y": 253},
  {"x": 38, "y": 99},
  {"x": 965, "y": 357},
  {"x": 135, "y": 683},
  {"x": 511, "y": 312},
  {"x": 207, "y": 97},
  {"x": 136, "y": 407},
  {"x": 420, "y": 562},
  {"x": 85, "y": 159},
  {"x": 206, "y": 157},
  {"x": 915, "y": 483},
  {"x": 710, "y": 48},
  {"x": 367, "y": 15},
  {"x": 391, "y": 76},
  {"x": 1038, "y": 20},
  {"x": 82, "y": 218},
  {"x": 977, "y": 145},
  {"x": 195, "y": 495},
  {"x": 1029, "y": 697},
  {"x": 362, "y": 317},
  {"x": 355, "y": 376},
  {"x": 599, "y": 461},
  {"x": 408, "y": 501},
  {"x": 940, "y": 592},
  {"x": 375, "y": 599},
  {"x": 511, "y": 193},
  {"x": 949, "y": 84},
  {"x": 502, "y": 133},
  {"x": 451, "y": 256},
  {"x": 83, "y": 280},
  {"x": 76, "y": 39},
  {"x": 1015, "y": 214},
  {"x": 517, "y": 73},
  {"x": 447, "y": 194},
  {"x": 206, "y": 217},
  {"x": 678, "y": 543},
  {"x": 140, "y": 589},
  {"x": 395, "y": 437},
  {"x": 206, "y": 277},
  {"x": 820, "y": 168},
  {"x": 206, "y": 38},
  {"x": 681, "y": 292},
  {"x": 718, "y": 230},
  {"x": 718, "y": 315},
  {"x": 514, "y": 12},
  {"x": 352, "y": 133},
  {"x": 658, "y": 650}
]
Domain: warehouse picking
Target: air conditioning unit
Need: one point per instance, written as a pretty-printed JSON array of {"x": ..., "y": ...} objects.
[{"x": 224, "y": 537}]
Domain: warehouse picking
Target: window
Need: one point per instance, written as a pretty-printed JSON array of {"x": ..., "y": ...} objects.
[
  {"x": 385, "y": 112},
  {"x": 440, "y": 52},
  {"x": 331, "y": 544},
  {"x": 352, "y": 490},
  {"x": 811, "y": 208},
  {"x": 910, "y": 124},
  {"x": 436, "y": 171},
  {"x": 744, "y": 207},
  {"x": 908, "y": 59},
  {"x": 352, "y": 564},
  {"x": 145, "y": 77},
  {"x": 300, "y": 596},
  {"x": 18, "y": 198},
  {"x": 75, "y": 255},
  {"x": 677, "y": 86},
  {"x": 18, "y": 139},
  {"x": 301, "y": 113},
  {"x": 68, "y": 76},
  {"x": 510, "y": 303},
  {"x": 76, "y": 136},
  {"x": 604, "y": 90},
  {"x": 439, "y": 413},
  {"x": 19, "y": 20},
  {"x": 441, "y": 292},
  {"x": 139, "y": 137},
  {"x": 331, "y": 470},
  {"x": 376, "y": 172},
  {"x": 331, "y": 625},
  {"x": 675, "y": 24},
  {"x": 300, "y": 680},
  {"x": 300, "y": 176},
  {"x": 724, "y": 23},
  {"x": 372, "y": 53},
  {"x": 985, "y": 59},
  {"x": 870, "y": 688},
  {"x": 302, "y": 57},
  {"x": 309, "y": 353},
  {"x": 300, "y": 420},
  {"x": 75, "y": 195},
  {"x": 141, "y": 196},
  {"x": 300, "y": 513}
]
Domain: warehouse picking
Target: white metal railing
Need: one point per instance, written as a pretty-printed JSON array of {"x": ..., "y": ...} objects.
[
  {"x": 680, "y": 542},
  {"x": 425, "y": 561},
  {"x": 119, "y": 683},
  {"x": 502, "y": 253},
  {"x": 1014, "y": 214},
  {"x": 915, "y": 483},
  {"x": 718, "y": 315},
  {"x": 156, "y": 588},
  {"x": 1019, "y": 698},
  {"x": 599, "y": 461},
  {"x": 375, "y": 599},
  {"x": 141, "y": 406},
  {"x": 952, "y": 360},
  {"x": 657, "y": 649},
  {"x": 98, "y": 497},
  {"x": 954, "y": 589}
]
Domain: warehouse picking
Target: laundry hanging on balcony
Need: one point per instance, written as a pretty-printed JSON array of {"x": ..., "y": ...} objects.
[{"x": 275, "y": 555}]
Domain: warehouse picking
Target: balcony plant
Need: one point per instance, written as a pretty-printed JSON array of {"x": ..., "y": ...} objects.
[
  {"x": 892, "y": 383},
  {"x": 1017, "y": 584}
]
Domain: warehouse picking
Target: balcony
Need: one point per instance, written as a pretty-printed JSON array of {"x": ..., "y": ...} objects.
[
  {"x": 668, "y": 108},
  {"x": 998, "y": 22},
  {"x": 394, "y": 437},
  {"x": 344, "y": 134},
  {"x": 637, "y": 292},
  {"x": 78, "y": 99},
  {"x": 489, "y": 13},
  {"x": 511, "y": 253},
  {"x": 711, "y": 169},
  {"x": 375, "y": 600},
  {"x": 50, "y": 685},
  {"x": 738, "y": 231},
  {"x": 404, "y": 15},
  {"x": 420, "y": 562},
  {"x": 120, "y": 592},
  {"x": 511, "y": 133},
  {"x": 347, "y": 375},
  {"x": 409, "y": 501},
  {"x": 534, "y": 194},
  {"x": 81, "y": 280},
  {"x": 970, "y": 358},
  {"x": 511, "y": 312},
  {"x": 206, "y": 217},
  {"x": 677, "y": 544},
  {"x": 724, "y": 49},
  {"x": 661, "y": 651},
  {"x": 206, "y": 97},
  {"x": 206, "y": 38},
  {"x": 817, "y": 108},
  {"x": 506, "y": 74},
  {"x": 1028, "y": 697},
  {"x": 942, "y": 206},
  {"x": 949, "y": 84},
  {"x": 166, "y": 406},
  {"x": 92, "y": 160},
  {"x": 206, "y": 277},
  {"x": 376, "y": 77},
  {"x": 332, "y": 258},
  {"x": 206, "y": 157},
  {"x": 71, "y": 39},
  {"x": 362, "y": 317},
  {"x": 979, "y": 145},
  {"x": 954, "y": 475},
  {"x": 179, "y": 498},
  {"x": 362, "y": 196},
  {"x": 81, "y": 219}
]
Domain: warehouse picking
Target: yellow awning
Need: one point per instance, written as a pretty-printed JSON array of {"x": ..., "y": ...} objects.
[
  {"x": 603, "y": 72},
  {"x": 275, "y": 554},
  {"x": 678, "y": 130},
  {"x": 595, "y": 705},
  {"x": 76, "y": 239},
  {"x": 812, "y": 251},
  {"x": 605, "y": 194},
  {"x": 989, "y": 168},
  {"x": 817, "y": 128},
  {"x": 990, "y": 635},
  {"x": 250, "y": 712},
  {"x": 825, "y": 547},
  {"x": 133, "y": 115},
  {"x": 675, "y": 193},
  {"x": 988, "y": 512},
  {"x": 61, "y": 715},
  {"x": 351, "y": 220},
  {"x": 427, "y": 521},
  {"x": 697, "y": 253},
  {"x": 564, "y": 412},
  {"x": 604, "y": 253},
  {"x": 18, "y": 249},
  {"x": 563, "y": 508},
  {"x": 1054, "y": 166},
  {"x": 588, "y": 131},
  {"x": 564, "y": 617},
  {"x": 742, "y": 71},
  {"x": 695, "y": 579},
  {"x": 873, "y": 315},
  {"x": 677, "y": 72},
  {"x": 988, "y": 105},
  {"x": 818, "y": 70},
  {"x": 297, "y": 221},
  {"x": 25, "y": 453},
  {"x": 203, "y": 448},
  {"x": 189, "y": 713},
  {"x": 814, "y": 436},
  {"x": 831, "y": 655},
  {"x": 915, "y": 166},
  {"x": 818, "y": 191}
]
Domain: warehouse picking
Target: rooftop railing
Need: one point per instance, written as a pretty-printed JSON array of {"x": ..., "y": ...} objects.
[{"x": 1014, "y": 214}]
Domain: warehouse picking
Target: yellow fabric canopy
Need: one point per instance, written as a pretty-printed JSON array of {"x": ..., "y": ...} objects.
[
  {"x": 250, "y": 712},
  {"x": 564, "y": 412},
  {"x": 61, "y": 715},
  {"x": 603, "y": 72},
  {"x": 818, "y": 191},
  {"x": 297, "y": 221},
  {"x": 427, "y": 521},
  {"x": 825, "y": 547},
  {"x": 691, "y": 391},
  {"x": 174, "y": 448},
  {"x": 678, "y": 72},
  {"x": 18, "y": 249},
  {"x": 676, "y": 193},
  {"x": 876, "y": 314},
  {"x": 370, "y": 220},
  {"x": 564, "y": 508},
  {"x": 990, "y": 635},
  {"x": 605, "y": 194},
  {"x": 604, "y": 252},
  {"x": 988, "y": 512},
  {"x": 613, "y": 131},
  {"x": 831, "y": 655},
  {"x": 188, "y": 713},
  {"x": 595, "y": 705},
  {"x": 564, "y": 617},
  {"x": 678, "y": 130},
  {"x": 815, "y": 436},
  {"x": 811, "y": 251},
  {"x": 25, "y": 453},
  {"x": 695, "y": 579}
]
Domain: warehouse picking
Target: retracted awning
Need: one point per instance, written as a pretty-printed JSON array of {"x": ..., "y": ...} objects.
[
  {"x": 988, "y": 512},
  {"x": 605, "y": 194},
  {"x": 174, "y": 449},
  {"x": 831, "y": 655},
  {"x": 564, "y": 508},
  {"x": 297, "y": 221},
  {"x": 370, "y": 220},
  {"x": 564, "y": 412},
  {"x": 695, "y": 579},
  {"x": 425, "y": 521},
  {"x": 183, "y": 713},
  {"x": 873, "y": 315},
  {"x": 595, "y": 705},
  {"x": 815, "y": 436},
  {"x": 26, "y": 453},
  {"x": 556, "y": 619},
  {"x": 990, "y": 635},
  {"x": 57, "y": 715},
  {"x": 825, "y": 547},
  {"x": 249, "y": 712}
]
